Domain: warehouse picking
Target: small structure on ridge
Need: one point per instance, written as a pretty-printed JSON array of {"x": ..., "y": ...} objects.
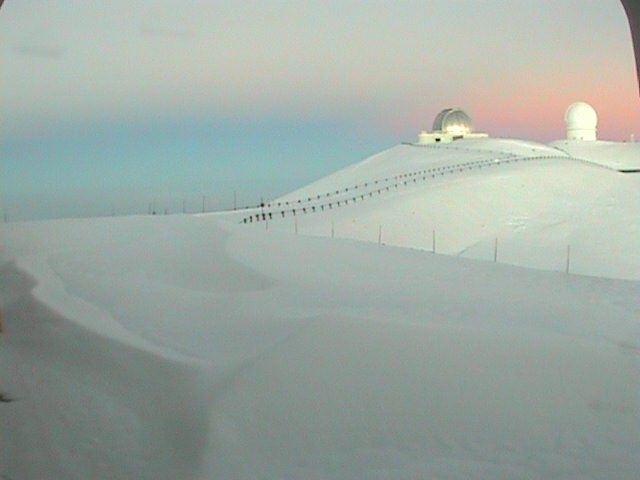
[
  {"x": 449, "y": 125},
  {"x": 582, "y": 122}
]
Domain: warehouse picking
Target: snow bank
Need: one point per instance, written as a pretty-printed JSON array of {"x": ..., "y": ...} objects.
[{"x": 189, "y": 347}]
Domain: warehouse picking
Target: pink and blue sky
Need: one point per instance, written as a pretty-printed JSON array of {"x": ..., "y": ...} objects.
[{"x": 109, "y": 106}]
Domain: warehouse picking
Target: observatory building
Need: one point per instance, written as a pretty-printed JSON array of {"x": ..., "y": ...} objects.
[
  {"x": 582, "y": 122},
  {"x": 449, "y": 125},
  {"x": 582, "y": 142}
]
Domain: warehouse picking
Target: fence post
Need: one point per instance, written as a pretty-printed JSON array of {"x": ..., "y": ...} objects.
[
  {"x": 568, "y": 258},
  {"x": 333, "y": 229},
  {"x": 495, "y": 251},
  {"x": 379, "y": 234}
]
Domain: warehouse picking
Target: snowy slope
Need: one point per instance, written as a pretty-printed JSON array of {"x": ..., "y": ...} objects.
[
  {"x": 624, "y": 157},
  {"x": 526, "y": 204},
  {"x": 193, "y": 347}
]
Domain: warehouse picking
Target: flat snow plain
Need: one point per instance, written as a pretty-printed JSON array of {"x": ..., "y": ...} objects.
[{"x": 195, "y": 347}]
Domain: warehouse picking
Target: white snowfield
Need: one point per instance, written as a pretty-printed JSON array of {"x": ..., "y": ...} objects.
[
  {"x": 199, "y": 347},
  {"x": 623, "y": 157},
  {"x": 525, "y": 203}
]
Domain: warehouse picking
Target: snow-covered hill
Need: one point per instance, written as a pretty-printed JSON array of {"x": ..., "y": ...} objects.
[
  {"x": 525, "y": 203},
  {"x": 202, "y": 347}
]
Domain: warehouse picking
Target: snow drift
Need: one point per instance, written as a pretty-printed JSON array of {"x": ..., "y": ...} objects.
[{"x": 193, "y": 347}]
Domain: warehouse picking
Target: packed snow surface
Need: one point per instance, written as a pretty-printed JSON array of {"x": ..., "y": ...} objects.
[
  {"x": 614, "y": 155},
  {"x": 512, "y": 201},
  {"x": 200, "y": 347}
]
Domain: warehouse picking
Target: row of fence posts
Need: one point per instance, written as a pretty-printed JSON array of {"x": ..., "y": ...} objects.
[
  {"x": 398, "y": 178},
  {"x": 433, "y": 242},
  {"x": 153, "y": 210},
  {"x": 452, "y": 168},
  {"x": 205, "y": 207},
  {"x": 425, "y": 173}
]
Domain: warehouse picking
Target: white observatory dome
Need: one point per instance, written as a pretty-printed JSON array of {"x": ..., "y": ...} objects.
[
  {"x": 582, "y": 122},
  {"x": 454, "y": 121},
  {"x": 449, "y": 125}
]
